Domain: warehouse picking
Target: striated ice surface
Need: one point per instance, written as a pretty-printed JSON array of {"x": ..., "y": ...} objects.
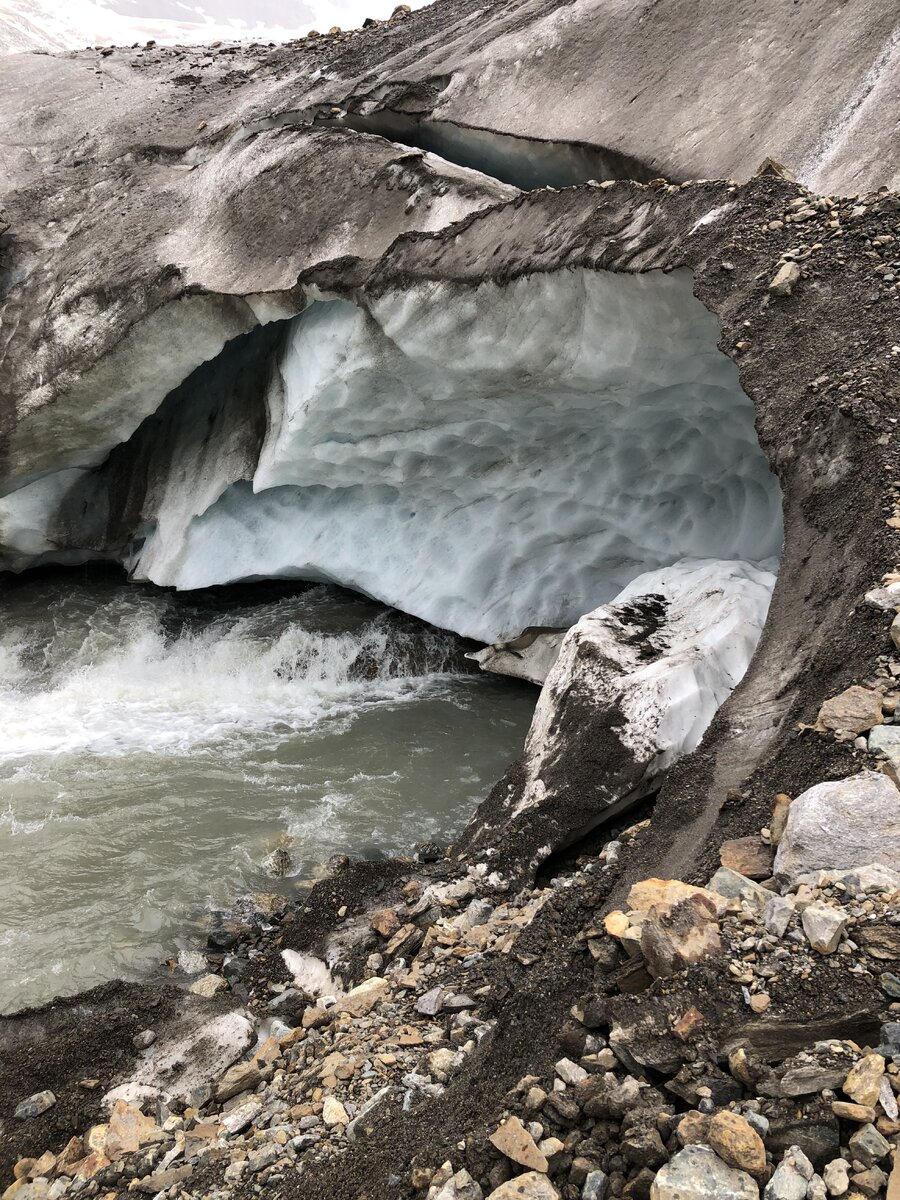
[{"x": 488, "y": 458}]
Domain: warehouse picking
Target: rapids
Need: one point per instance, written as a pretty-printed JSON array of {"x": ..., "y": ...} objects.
[{"x": 157, "y": 747}]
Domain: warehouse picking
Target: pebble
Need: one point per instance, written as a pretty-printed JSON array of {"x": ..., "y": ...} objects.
[{"x": 34, "y": 1106}]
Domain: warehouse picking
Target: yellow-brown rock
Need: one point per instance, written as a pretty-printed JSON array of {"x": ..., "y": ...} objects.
[
  {"x": 512, "y": 1139},
  {"x": 736, "y": 1142},
  {"x": 863, "y": 1083}
]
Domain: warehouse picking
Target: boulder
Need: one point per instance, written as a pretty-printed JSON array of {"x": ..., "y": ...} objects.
[
  {"x": 734, "y": 886},
  {"x": 841, "y": 825},
  {"x": 242, "y": 1077},
  {"x": 697, "y": 1173},
  {"x": 854, "y": 711},
  {"x": 749, "y": 856},
  {"x": 676, "y": 938},
  {"x": 791, "y": 1178},
  {"x": 362, "y": 999}
]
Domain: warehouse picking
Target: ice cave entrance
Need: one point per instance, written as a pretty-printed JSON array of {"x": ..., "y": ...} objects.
[{"x": 487, "y": 458}]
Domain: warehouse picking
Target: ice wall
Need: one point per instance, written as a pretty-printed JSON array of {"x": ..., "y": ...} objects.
[{"x": 487, "y": 458}]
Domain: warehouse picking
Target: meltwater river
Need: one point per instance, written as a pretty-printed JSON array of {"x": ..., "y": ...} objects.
[{"x": 155, "y": 748}]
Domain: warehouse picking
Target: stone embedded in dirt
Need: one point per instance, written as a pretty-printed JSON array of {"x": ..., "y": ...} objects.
[
  {"x": 127, "y": 1130},
  {"x": 760, "y": 1002},
  {"x": 460, "y": 1186},
  {"x": 513, "y": 1140},
  {"x": 785, "y": 279},
  {"x": 334, "y": 1113},
  {"x": 34, "y": 1106},
  {"x": 733, "y": 886},
  {"x": 749, "y": 856},
  {"x": 430, "y": 1004},
  {"x": 405, "y": 942},
  {"x": 885, "y": 739},
  {"x": 570, "y": 1072},
  {"x": 161, "y": 1181},
  {"x": 841, "y": 825},
  {"x": 142, "y": 1040},
  {"x": 736, "y": 1142},
  {"x": 863, "y": 1082},
  {"x": 781, "y": 803},
  {"x": 242, "y": 1077},
  {"x": 208, "y": 986},
  {"x": 236, "y": 1120},
  {"x": 385, "y": 922},
  {"x": 663, "y": 893},
  {"x": 688, "y": 1023},
  {"x": 776, "y": 916},
  {"x": 823, "y": 926},
  {"x": 854, "y": 711},
  {"x": 360, "y": 1000},
  {"x": 697, "y": 1173},
  {"x": 672, "y": 939},
  {"x": 530, "y": 1186}
]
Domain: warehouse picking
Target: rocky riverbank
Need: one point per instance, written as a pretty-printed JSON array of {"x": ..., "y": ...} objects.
[{"x": 733, "y": 1040}]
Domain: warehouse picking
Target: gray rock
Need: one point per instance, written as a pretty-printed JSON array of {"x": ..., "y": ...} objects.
[
  {"x": 837, "y": 1177},
  {"x": 869, "y": 1146},
  {"x": 841, "y": 825},
  {"x": 791, "y": 1178},
  {"x": 697, "y": 1173},
  {"x": 595, "y": 1186},
  {"x": 34, "y": 1106},
  {"x": 885, "y": 739},
  {"x": 776, "y": 916},
  {"x": 430, "y": 1004},
  {"x": 142, "y": 1040},
  {"x": 734, "y": 886},
  {"x": 785, "y": 279},
  {"x": 460, "y": 1186},
  {"x": 236, "y": 1120}
]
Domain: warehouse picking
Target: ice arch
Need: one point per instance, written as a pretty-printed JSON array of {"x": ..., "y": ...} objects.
[{"x": 489, "y": 458}]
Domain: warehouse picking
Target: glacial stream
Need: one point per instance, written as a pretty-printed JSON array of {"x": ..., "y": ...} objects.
[{"x": 156, "y": 748}]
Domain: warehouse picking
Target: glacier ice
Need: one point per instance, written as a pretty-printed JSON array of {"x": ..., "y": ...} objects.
[
  {"x": 488, "y": 457},
  {"x": 634, "y": 687}
]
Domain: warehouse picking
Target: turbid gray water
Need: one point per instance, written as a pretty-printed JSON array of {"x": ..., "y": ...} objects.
[{"x": 157, "y": 747}]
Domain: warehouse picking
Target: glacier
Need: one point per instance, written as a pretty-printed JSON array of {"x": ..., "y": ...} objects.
[{"x": 487, "y": 458}]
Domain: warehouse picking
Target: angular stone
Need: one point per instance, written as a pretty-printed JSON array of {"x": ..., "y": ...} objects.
[
  {"x": 823, "y": 926},
  {"x": 570, "y": 1072},
  {"x": 663, "y": 893},
  {"x": 749, "y": 856},
  {"x": 776, "y": 916},
  {"x": 737, "y": 1143},
  {"x": 791, "y": 1178},
  {"x": 460, "y": 1186},
  {"x": 429, "y": 1004},
  {"x": 362, "y": 999},
  {"x": 405, "y": 942},
  {"x": 242, "y": 1077},
  {"x": 869, "y": 1146},
  {"x": 513, "y": 1140},
  {"x": 780, "y": 806},
  {"x": 208, "y": 986},
  {"x": 837, "y": 1177},
  {"x": 785, "y": 279},
  {"x": 531, "y": 1186},
  {"x": 863, "y": 1082},
  {"x": 847, "y": 1111},
  {"x": 733, "y": 886},
  {"x": 161, "y": 1181},
  {"x": 841, "y": 825},
  {"x": 34, "y": 1106},
  {"x": 385, "y": 922},
  {"x": 885, "y": 739},
  {"x": 678, "y": 937},
  {"x": 854, "y": 711},
  {"x": 236, "y": 1120},
  {"x": 595, "y": 1186},
  {"x": 693, "y": 1128},
  {"x": 697, "y": 1173},
  {"x": 334, "y": 1113}
]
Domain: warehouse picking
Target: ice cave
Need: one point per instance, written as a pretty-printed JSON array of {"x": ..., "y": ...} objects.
[{"x": 488, "y": 458}]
